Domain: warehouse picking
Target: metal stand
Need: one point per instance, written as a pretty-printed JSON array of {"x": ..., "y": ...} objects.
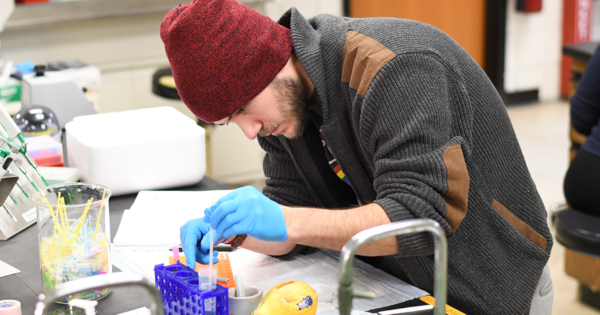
[
  {"x": 346, "y": 293},
  {"x": 18, "y": 210},
  {"x": 100, "y": 282}
]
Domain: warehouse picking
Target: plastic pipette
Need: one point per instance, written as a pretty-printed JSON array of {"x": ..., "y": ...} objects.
[
  {"x": 19, "y": 185},
  {"x": 27, "y": 176},
  {"x": 22, "y": 150},
  {"x": 99, "y": 214},
  {"x": 13, "y": 198},
  {"x": 8, "y": 133},
  {"x": 12, "y": 216},
  {"x": 212, "y": 301},
  {"x": 210, "y": 257}
]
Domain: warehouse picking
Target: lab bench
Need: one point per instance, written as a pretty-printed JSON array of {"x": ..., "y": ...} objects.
[
  {"x": 321, "y": 267},
  {"x": 22, "y": 252}
]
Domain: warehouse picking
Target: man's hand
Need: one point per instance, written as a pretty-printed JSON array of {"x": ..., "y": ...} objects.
[
  {"x": 191, "y": 233},
  {"x": 247, "y": 211}
]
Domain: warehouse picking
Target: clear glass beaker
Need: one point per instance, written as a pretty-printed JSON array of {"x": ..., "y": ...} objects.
[{"x": 74, "y": 233}]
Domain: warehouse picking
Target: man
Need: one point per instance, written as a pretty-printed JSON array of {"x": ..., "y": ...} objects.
[{"x": 365, "y": 122}]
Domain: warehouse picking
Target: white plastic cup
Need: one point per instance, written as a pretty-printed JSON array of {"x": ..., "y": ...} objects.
[{"x": 207, "y": 281}]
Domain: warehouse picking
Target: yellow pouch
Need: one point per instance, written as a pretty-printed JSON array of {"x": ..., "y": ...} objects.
[{"x": 293, "y": 297}]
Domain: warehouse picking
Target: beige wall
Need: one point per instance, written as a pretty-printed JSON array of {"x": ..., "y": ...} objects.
[{"x": 128, "y": 50}]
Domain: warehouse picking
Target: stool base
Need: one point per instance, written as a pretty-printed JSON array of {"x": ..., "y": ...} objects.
[{"x": 588, "y": 297}]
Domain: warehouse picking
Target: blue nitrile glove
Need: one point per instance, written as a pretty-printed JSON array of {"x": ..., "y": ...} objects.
[
  {"x": 247, "y": 211},
  {"x": 191, "y": 234}
]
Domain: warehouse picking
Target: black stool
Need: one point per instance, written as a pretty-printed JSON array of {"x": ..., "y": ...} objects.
[
  {"x": 163, "y": 84},
  {"x": 579, "y": 232}
]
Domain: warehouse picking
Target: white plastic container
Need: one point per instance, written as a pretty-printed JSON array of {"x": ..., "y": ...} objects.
[{"x": 153, "y": 148}]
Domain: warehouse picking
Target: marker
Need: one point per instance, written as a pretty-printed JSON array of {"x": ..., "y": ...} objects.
[{"x": 220, "y": 248}]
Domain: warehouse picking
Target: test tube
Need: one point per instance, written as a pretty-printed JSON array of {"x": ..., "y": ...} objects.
[{"x": 207, "y": 281}]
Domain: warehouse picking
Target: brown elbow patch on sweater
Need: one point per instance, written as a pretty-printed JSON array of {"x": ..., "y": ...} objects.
[
  {"x": 457, "y": 177},
  {"x": 363, "y": 57},
  {"x": 521, "y": 226}
]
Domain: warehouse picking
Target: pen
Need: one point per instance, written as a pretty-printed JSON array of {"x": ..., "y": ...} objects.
[{"x": 221, "y": 248}]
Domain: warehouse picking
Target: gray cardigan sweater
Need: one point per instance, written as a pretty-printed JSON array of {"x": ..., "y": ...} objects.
[{"x": 417, "y": 128}]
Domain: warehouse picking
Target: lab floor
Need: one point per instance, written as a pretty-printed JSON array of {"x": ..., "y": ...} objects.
[{"x": 542, "y": 130}]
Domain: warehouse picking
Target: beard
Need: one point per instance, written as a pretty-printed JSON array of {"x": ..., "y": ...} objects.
[{"x": 292, "y": 99}]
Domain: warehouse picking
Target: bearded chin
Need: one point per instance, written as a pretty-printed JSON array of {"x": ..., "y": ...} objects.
[{"x": 291, "y": 95}]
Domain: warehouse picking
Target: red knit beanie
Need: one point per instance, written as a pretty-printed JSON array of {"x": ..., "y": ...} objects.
[{"x": 222, "y": 54}]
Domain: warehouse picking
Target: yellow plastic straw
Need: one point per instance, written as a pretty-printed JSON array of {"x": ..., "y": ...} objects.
[
  {"x": 62, "y": 201},
  {"x": 99, "y": 214},
  {"x": 52, "y": 213},
  {"x": 85, "y": 211},
  {"x": 60, "y": 214},
  {"x": 64, "y": 209},
  {"x": 61, "y": 217}
]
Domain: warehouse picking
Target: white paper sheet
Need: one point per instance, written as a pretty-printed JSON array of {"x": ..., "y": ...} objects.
[
  {"x": 154, "y": 219},
  {"x": 320, "y": 270},
  {"x": 7, "y": 270},
  {"x": 138, "y": 311}
]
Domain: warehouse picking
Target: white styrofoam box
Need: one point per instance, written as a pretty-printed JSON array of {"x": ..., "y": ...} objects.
[{"x": 129, "y": 151}]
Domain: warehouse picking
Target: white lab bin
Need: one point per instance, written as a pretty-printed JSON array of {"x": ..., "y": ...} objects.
[{"x": 129, "y": 151}]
